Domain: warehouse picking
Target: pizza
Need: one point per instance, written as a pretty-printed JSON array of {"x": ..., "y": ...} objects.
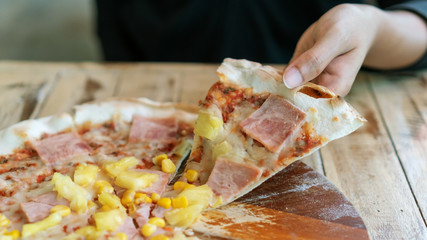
[
  {"x": 250, "y": 126},
  {"x": 137, "y": 169}
]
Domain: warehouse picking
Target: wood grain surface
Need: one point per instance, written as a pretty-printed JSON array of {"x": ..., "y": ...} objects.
[{"x": 381, "y": 168}]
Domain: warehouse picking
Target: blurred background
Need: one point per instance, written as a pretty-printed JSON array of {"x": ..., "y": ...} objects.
[{"x": 48, "y": 30}]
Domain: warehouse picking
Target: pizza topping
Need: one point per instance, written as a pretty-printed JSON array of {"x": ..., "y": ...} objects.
[
  {"x": 50, "y": 198},
  {"x": 110, "y": 201},
  {"x": 157, "y": 186},
  {"x": 141, "y": 198},
  {"x": 148, "y": 229},
  {"x": 208, "y": 125},
  {"x": 74, "y": 193},
  {"x": 128, "y": 228},
  {"x": 221, "y": 149},
  {"x": 228, "y": 178},
  {"x": 35, "y": 211},
  {"x": 103, "y": 186},
  {"x": 57, "y": 213},
  {"x": 85, "y": 174},
  {"x": 273, "y": 122},
  {"x": 142, "y": 214},
  {"x": 153, "y": 129},
  {"x": 115, "y": 168},
  {"x": 183, "y": 217},
  {"x": 191, "y": 175},
  {"x": 180, "y": 202},
  {"x": 135, "y": 180},
  {"x": 109, "y": 220},
  {"x": 60, "y": 147},
  {"x": 164, "y": 202},
  {"x": 168, "y": 166}
]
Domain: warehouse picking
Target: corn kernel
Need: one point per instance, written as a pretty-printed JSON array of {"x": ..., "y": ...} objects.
[
  {"x": 135, "y": 180},
  {"x": 148, "y": 229},
  {"x": 164, "y": 202},
  {"x": 85, "y": 175},
  {"x": 103, "y": 186},
  {"x": 142, "y": 198},
  {"x": 61, "y": 209},
  {"x": 32, "y": 228},
  {"x": 128, "y": 197},
  {"x": 4, "y": 222},
  {"x": 159, "y": 237},
  {"x": 191, "y": 175},
  {"x": 155, "y": 197},
  {"x": 158, "y": 160},
  {"x": 189, "y": 186},
  {"x": 159, "y": 222},
  {"x": 131, "y": 208},
  {"x": 109, "y": 220},
  {"x": 168, "y": 166},
  {"x": 115, "y": 168},
  {"x": 14, "y": 234},
  {"x": 179, "y": 185},
  {"x": 180, "y": 202}
]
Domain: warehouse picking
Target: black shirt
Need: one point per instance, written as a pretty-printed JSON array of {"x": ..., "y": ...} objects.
[{"x": 208, "y": 31}]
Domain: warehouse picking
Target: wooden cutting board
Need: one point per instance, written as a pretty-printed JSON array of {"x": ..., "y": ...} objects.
[{"x": 297, "y": 203}]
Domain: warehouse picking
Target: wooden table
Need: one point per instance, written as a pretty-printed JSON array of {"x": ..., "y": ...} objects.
[{"x": 381, "y": 168}]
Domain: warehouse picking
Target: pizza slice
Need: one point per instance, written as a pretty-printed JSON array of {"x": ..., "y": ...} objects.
[{"x": 250, "y": 126}]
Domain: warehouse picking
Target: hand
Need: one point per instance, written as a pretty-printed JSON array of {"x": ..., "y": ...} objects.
[{"x": 332, "y": 50}]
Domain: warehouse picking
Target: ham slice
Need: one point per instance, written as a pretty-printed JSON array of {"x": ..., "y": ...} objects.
[
  {"x": 142, "y": 214},
  {"x": 39, "y": 207},
  {"x": 162, "y": 130},
  {"x": 60, "y": 147},
  {"x": 158, "y": 186},
  {"x": 230, "y": 178},
  {"x": 128, "y": 228},
  {"x": 35, "y": 211},
  {"x": 51, "y": 199},
  {"x": 159, "y": 211},
  {"x": 273, "y": 122}
]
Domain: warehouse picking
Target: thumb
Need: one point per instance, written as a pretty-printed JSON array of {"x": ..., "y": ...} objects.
[{"x": 309, "y": 64}]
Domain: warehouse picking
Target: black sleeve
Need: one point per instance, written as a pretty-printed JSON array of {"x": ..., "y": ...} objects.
[{"x": 418, "y": 7}]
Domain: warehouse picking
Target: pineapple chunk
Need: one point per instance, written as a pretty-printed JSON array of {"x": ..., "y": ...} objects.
[
  {"x": 33, "y": 228},
  {"x": 87, "y": 233},
  {"x": 135, "y": 180},
  {"x": 110, "y": 200},
  {"x": 183, "y": 217},
  {"x": 109, "y": 220},
  {"x": 74, "y": 193},
  {"x": 220, "y": 149},
  {"x": 85, "y": 174},
  {"x": 208, "y": 125},
  {"x": 198, "y": 195},
  {"x": 116, "y": 168}
]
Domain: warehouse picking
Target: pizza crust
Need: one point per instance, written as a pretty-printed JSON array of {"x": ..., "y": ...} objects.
[
  {"x": 123, "y": 109},
  {"x": 15, "y": 136}
]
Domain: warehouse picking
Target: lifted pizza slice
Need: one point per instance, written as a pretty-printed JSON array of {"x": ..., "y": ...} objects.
[{"x": 250, "y": 126}]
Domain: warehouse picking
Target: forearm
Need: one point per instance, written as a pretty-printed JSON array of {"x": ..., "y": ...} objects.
[{"x": 401, "y": 40}]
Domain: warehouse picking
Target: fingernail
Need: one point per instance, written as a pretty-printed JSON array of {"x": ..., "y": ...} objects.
[{"x": 292, "y": 78}]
